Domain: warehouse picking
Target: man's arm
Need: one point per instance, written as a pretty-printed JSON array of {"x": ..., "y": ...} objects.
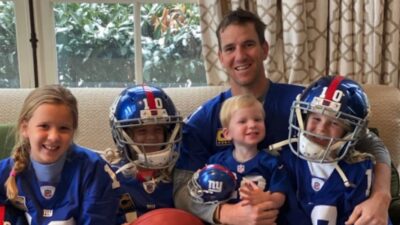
[
  {"x": 232, "y": 214},
  {"x": 183, "y": 200},
  {"x": 374, "y": 210},
  {"x": 372, "y": 144}
]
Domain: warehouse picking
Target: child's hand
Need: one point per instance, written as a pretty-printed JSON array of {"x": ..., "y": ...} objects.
[{"x": 251, "y": 194}]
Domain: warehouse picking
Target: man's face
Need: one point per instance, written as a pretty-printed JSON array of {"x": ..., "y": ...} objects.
[{"x": 242, "y": 54}]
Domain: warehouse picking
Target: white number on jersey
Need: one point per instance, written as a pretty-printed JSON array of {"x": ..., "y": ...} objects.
[{"x": 324, "y": 213}]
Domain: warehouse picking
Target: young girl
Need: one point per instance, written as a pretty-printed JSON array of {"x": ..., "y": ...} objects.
[
  {"x": 146, "y": 129},
  {"x": 48, "y": 176}
]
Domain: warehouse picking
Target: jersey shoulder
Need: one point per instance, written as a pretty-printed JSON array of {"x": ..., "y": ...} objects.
[{"x": 210, "y": 109}]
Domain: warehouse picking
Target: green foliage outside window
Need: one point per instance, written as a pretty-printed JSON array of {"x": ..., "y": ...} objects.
[
  {"x": 8, "y": 47},
  {"x": 95, "y": 44}
]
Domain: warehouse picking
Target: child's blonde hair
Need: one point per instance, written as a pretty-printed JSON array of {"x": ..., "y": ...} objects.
[
  {"x": 50, "y": 94},
  {"x": 237, "y": 102}
]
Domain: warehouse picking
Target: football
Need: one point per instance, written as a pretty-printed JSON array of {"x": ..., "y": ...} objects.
[{"x": 167, "y": 216}]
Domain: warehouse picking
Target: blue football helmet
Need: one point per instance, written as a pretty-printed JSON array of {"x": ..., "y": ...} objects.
[
  {"x": 337, "y": 97},
  {"x": 212, "y": 184},
  {"x": 140, "y": 106}
]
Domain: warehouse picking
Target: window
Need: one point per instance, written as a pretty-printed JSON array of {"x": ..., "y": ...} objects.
[
  {"x": 8, "y": 46},
  {"x": 115, "y": 43},
  {"x": 16, "y": 58}
]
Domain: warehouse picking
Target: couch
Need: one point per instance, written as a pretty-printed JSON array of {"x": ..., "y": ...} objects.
[{"x": 94, "y": 131}]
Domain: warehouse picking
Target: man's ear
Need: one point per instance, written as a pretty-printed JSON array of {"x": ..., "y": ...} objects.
[
  {"x": 225, "y": 132},
  {"x": 265, "y": 48}
]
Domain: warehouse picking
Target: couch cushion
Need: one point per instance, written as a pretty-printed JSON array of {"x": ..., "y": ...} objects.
[
  {"x": 385, "y": 116},
  {"x": 6, "y": 140}
]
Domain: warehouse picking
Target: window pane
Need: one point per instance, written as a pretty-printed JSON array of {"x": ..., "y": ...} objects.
[
  {"x": 95, "y": 44},
  {"x": 171, "y": 44},
  {"x": 9, "y": 77}
]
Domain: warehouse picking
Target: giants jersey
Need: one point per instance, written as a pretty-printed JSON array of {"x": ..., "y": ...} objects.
[
  {"x": 325, "y": 198},
  {"x": 268, "y": 172},
  {"x": 202, "y": 131},
  {"x": 135, "y": 200},
  {"x": 84, "y": 194},
  {"x": 263, "y": 169}
]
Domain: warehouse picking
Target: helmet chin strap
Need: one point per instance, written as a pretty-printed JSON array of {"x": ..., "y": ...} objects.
[
  {"x": 346, "y": 181},
  {"x": 279, "y": 145}
]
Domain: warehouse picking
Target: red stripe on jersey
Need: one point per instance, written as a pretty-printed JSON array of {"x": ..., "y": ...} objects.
[
  {"x": 2, "y": 213},
  {"x": 332, "y": 87}
]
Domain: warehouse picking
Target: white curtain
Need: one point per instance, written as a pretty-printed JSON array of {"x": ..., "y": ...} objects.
[{"x": 311, "y": 38}]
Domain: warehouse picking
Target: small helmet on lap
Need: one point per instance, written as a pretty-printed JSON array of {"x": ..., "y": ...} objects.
[{"x": 212, "y": 184}]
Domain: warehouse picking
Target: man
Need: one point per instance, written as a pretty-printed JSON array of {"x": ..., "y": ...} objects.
[{"x": 242, "y": 50}]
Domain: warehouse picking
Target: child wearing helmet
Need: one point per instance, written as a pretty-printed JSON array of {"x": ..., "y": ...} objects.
[
  {"x": 330, "y": 176},
  {"x": 146, "y": 129},
  {"x": 261, "y": 176}
]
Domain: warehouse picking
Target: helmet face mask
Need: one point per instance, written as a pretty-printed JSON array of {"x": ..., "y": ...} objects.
[
  {"x": 338, "y": 99},
  {"x": 140, "y": 107}
]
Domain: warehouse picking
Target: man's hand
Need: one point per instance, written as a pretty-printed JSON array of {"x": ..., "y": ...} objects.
[
  {"x": 240, "y": 214},
  {"x": 374, "y": 210},
  {"x": 370, "y": 212}
]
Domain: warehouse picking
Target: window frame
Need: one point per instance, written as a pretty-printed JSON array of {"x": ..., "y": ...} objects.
[
  {"x": 24, "y": 48},
  {"x": 47, "y": 64}
]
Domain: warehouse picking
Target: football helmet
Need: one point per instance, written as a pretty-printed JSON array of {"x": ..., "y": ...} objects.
[
  {"x": 337, "y": 97},
  {"x": 140, "y": 106},
  {"x": 212, "y": 184}
]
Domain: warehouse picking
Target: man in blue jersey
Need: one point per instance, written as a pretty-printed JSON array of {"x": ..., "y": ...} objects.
[{"x": 242, "y": 50}]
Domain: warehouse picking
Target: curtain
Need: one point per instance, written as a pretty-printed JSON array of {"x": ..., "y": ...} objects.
[{"x": 312, "y": 38}]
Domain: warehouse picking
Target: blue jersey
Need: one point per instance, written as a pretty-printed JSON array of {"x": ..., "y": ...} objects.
[
  {"x": 264, "y": 169},
  {"x": 202, "y": 131},
  {"x": 268, "y": 172},
  {"x": 135, "y": 200},
  {"x": 84, "y": 194},
  {"x": 325, "y": 199}
]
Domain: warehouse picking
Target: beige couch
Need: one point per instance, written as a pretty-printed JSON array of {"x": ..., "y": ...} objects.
[{"x": 94, "y": 131}]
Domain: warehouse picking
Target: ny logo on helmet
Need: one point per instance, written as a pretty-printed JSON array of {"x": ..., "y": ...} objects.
[{"x": 215, "y": 186}]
